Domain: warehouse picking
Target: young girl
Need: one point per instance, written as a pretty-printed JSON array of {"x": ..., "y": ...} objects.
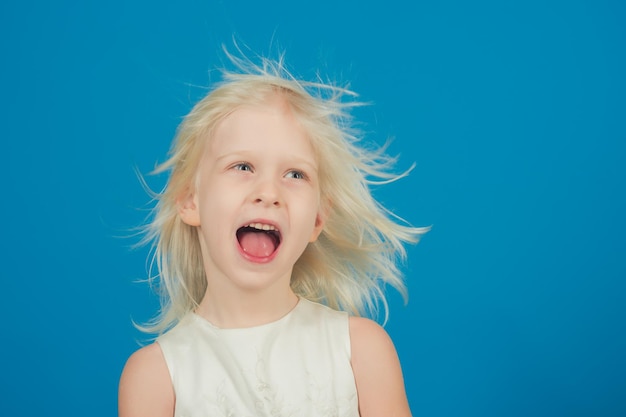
[{"x": 269, "y": 248}]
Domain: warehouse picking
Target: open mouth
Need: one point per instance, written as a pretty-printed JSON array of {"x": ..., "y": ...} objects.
[{"x": 258, "y": 240}]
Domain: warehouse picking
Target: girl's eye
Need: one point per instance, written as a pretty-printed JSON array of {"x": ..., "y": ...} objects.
[
  {"x": 242, "y": 166},
  {"x": 297, "y": 175}
]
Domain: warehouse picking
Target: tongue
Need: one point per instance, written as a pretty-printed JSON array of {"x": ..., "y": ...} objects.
[{"x": 257, "y": 244}]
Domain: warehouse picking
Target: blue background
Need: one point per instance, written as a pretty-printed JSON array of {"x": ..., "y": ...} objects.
[{"x": 514, "y": 112}]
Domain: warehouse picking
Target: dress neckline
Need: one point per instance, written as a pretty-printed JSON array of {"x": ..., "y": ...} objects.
[{"x": 207, "y": 323}]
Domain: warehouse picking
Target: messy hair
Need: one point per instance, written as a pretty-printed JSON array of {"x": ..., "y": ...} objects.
[{"x": 357, "y": 254}]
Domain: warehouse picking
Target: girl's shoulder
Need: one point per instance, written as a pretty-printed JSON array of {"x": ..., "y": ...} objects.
[
  {"x": 368, "y": 338},
  {"x": 377, "y": 370},
  {"x": 145, "y": 386}
]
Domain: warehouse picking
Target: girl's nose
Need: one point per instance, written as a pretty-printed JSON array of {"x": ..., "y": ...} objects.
[{"x": 267, "y": 193}]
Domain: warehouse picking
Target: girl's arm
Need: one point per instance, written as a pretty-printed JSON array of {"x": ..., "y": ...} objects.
[
  {"x": 145, "y": 386},
  {"x": 377, "y": 371}
]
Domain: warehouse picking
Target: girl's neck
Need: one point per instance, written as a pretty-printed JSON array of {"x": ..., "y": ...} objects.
[{"x": 247, "y": 309}]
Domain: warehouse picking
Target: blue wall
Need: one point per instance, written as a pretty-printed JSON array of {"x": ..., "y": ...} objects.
[{"x": 513, "y": 111}]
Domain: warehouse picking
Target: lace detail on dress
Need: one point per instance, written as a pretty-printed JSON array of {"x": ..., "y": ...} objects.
[{"x": 298, "y": 369}]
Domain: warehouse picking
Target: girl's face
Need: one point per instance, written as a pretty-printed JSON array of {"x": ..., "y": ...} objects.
[{"x": 257, "y": 198}]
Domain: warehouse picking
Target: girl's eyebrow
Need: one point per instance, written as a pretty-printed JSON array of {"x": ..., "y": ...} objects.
[
  {"x": 245, "y": 154},
  {"x": 310, "y": 163}
]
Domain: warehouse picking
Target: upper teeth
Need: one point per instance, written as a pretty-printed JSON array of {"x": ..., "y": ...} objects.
[{"x": 261, "y": 226}]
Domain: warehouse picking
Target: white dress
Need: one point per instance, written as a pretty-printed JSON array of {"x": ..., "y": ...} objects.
[{"x": 298, "y": 366}]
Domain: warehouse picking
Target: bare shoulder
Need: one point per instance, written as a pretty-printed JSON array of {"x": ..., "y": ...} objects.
[
  {"x": 145, "y": 386},
  {"x": 377, "y": 371}
]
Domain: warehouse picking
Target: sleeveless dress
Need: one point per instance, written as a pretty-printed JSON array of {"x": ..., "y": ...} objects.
[{"x": 298, "y": 366}]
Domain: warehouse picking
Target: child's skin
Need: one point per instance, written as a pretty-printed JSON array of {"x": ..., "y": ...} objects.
[{"x": 260, "y": 168}]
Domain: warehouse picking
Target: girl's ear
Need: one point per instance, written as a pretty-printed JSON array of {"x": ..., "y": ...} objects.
[
  {"x": 320, "y": 221},
  {"x": 188, "y": 209}
]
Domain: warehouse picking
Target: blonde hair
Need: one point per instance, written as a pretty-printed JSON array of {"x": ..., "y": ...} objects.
[{"x": 356, "y": 254}]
